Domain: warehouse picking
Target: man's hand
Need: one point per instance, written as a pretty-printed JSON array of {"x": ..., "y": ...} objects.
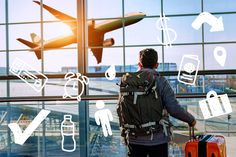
[
  {"x": 193, "y": 123},
  {"x": 124, "y": 140}
]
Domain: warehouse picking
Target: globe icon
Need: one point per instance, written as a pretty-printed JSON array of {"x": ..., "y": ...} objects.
[{"x": 189, "y": 67}]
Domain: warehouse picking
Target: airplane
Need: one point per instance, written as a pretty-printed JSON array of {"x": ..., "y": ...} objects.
[{"x": 96, "y": 32}]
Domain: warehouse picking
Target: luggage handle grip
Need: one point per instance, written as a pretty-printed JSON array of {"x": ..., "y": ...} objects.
[{"x": 191, "y": 133}]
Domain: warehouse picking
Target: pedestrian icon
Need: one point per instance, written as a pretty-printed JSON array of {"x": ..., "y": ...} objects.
[{"x": 103, "y": 118}]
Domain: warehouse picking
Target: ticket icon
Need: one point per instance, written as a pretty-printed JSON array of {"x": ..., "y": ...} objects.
[{"x": 28, "y": 74}]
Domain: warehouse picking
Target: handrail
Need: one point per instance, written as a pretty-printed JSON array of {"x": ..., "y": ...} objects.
[
  {"x": 101, "y": 74},
  {"x": 90, "y": 97}
]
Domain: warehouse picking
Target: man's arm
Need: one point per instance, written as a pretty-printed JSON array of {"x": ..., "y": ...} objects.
[{"x": 172, "y": 105}]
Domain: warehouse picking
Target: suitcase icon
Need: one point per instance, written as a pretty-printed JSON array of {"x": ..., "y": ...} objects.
[{"x": 215, "y": 106}]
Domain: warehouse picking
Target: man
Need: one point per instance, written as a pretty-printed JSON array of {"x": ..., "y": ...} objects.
[{"x": 157, "y": 145}]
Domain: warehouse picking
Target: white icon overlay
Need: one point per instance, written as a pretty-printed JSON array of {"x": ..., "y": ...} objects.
[
  {"x": 188, "y": 70},
  {"x": 19, "y": 136},
  {"x": 110, "y": 73},
  {"x": 215, "y": 106},
  {"x": 72, "y": 81},
  {"x": 103, "y": 118},
  {"x": 19, "y": 68},
  {"x": 220, "y": 58},
  {"x": 169, "y": 33},
  {"x": 68, "y": 134},
  {"x": 216, "y": 24}
]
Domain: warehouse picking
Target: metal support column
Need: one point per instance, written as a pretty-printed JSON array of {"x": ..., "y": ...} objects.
[
  {"x": 82, "y": 53},
  {"x": 84, "y": 128}
]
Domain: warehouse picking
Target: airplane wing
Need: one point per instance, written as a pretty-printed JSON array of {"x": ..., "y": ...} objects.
[
  {"x": 110, "y": 25},
  {"x": 71, "y": 21}
]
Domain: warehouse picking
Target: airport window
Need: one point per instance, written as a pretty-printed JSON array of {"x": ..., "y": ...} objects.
[
  {"x": 222, "y": 6},
  {"x": 3, "y": 38},
  {"x": 55, "y": 38},
  {"x": 143, "y": 6},
  {"x": 143, "y": 37},
  {"x": 229, "y": 62},
  {"x": 21, "y": 31},
  {"x": 108, "y": 10},
  {"x": 225, "y": 36},
  {"x": 21, "y": 14},
  {"x": 182, "y": 27},
  {"x": 182, "y": 6},
  {"x": 179, "y": 52},
  {"x": 2, "y": 8}
]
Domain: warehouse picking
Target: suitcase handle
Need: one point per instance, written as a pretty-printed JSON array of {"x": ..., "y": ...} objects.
[{"x": 191, "y": 133}]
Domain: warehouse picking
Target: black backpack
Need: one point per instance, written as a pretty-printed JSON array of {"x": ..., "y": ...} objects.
[{"x": 139, "y": 107}]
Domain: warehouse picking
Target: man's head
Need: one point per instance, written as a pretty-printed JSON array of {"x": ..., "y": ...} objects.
[{"x": 148, "y": 58}]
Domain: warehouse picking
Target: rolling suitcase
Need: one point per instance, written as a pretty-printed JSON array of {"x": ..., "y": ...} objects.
[{"x": 205, "y": 145}]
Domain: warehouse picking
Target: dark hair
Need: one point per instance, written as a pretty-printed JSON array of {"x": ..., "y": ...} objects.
[{"x": 148, "y": 57}]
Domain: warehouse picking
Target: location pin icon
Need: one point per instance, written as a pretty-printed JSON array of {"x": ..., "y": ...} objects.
[
  {"x": 110, "y": 72},
  {"x": 220, "y": 55}
]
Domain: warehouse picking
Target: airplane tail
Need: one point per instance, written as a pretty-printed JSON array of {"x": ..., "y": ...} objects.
[
  {"x": 32, "y": 46},
  {"x": 35, "y": 38}
]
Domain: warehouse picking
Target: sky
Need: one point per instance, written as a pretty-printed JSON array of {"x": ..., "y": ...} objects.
[{"x": 141, "y": 33}]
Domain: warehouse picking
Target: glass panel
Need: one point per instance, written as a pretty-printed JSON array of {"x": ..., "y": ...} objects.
[
  {"x": 100, "y": 8},
  {"x": 220, "y": 83},
  {"x": 64, "y": 6},
  {"x": 2, "y": 11},
  {"x": 174, "y": 54},
  {"x": 55, "y": 87},
  {"x": 100, "y": 145},
  {"x": 219, "y": 61},
  {"x": 150, "y": 7},
  {"x": 222, "y": 122},
  {"x": 181, "y": 6},
  {"x": 227, "y": 34},
  {"x": 3, "y": 69},
  {"x": 185, "y": 32},
  {"x": 22, "y": 31},
  {"x": 19, "y": 88},
  {"x": 19, "y": 13},
  {"x": 102, "y": 86},
  {"x": 56, "y": 123},
  {"x": 29, "y": 58},
  {"x": 3, "y": 87},
  {"x": 220, "y": 6},
  {"x": 59, "y": 61},
  {"x": 181, "y": 88},
  {"x": 132, "y": 57},
  {"x": 23, "y": 115},
  {"x": 58, "y": 87},
  {"x": 3, "y": 37},
  {"x": 109, "y": 56},
  {"x": 143, "y": 32}
]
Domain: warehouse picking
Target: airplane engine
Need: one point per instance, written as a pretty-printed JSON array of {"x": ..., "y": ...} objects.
[{"x": 109, "y": 42}]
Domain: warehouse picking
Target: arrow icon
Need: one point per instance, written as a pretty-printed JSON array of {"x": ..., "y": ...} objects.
[
  {"x": 19, "y": 136},
  {"x": 216, "y": 24}
]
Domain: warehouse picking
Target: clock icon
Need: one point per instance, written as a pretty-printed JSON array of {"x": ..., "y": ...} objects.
[{"x": 73, "y": 81}]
